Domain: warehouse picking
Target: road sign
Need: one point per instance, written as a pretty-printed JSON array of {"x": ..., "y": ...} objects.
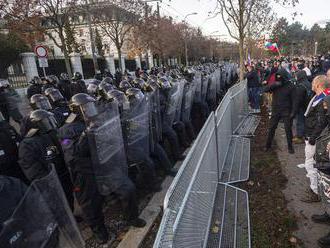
[{"x": 41, "y": 52}]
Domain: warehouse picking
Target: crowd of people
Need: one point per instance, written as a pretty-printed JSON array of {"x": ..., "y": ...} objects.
[
  {"x": 297, "y": 91},
  {"x": 107, "y": 138}
]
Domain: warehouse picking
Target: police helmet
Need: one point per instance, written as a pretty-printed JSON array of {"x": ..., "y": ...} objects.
[
  {"x": 77, "y": 76},
  {"x": 38, "y": 101},
  {"x": 64, "y": 76},
  {"x": 119, "y": 97},
  {"x": 43, "y": 120},
  {"x": 134, "y": 94},
  {"x": 124, "y": 85},
  {"x": 164, "y": 83},
  {"x": 84, "y": 104},
  {"x": 138, "y": 83},
  {"x": 54, "y": 95}
]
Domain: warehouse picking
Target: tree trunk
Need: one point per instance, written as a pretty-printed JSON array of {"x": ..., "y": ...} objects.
[
  {"x": 241, "y": 59},
  {"x": 67, "y": 62},
  {"x": 66, "y": 54},
  {"x": 119, "y": 59}
]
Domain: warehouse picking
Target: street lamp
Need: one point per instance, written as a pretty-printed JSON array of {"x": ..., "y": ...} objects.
[{"x": 185, "y": 40}]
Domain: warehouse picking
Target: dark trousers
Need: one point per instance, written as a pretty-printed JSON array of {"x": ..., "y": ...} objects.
[
  {"x": 160, "y": 155},
  {"x": 276, "y": 117},
  {"x": 68, "y": 189},
  {"x": 89, "y": 199},
  {"x": 180, "y": 130},
  {"x": 170, "y": 135},
  {"x": 127, "y": 196},
  {"x": 300, "y": 125}
]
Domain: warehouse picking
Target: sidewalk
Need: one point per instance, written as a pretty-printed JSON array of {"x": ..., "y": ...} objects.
[{"x": 308, "y": 232}]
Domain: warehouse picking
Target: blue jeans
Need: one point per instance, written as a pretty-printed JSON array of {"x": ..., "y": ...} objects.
[
  {"x": 254, "y": 97},
  {"x": 300, "y": 125}
]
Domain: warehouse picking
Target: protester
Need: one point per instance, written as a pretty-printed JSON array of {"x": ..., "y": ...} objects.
[
  {"x": 282, "y": 107},
  {"x": 253, "y": 84},
  {"x": 315, "y": 122}
]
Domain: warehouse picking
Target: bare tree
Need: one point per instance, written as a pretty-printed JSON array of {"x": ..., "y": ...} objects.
[
  {"x": 243, "y": 16},
  {"x": 46, "y": 16},
  {"x": 116, "y": 19}
]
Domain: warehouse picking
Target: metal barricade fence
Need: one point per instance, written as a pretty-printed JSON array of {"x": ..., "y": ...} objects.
[
  {"x": 239, "y": 102},
  {"x": 189, "y": 202},
  {"x": 223, "y": 118},
  {"x": 195, "y": 183}
]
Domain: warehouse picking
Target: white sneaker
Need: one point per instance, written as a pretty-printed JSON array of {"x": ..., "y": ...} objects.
[{"x": 301, "y": 166}]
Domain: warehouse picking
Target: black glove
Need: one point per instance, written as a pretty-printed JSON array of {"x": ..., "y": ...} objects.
[{"x": 311, "y": 141}]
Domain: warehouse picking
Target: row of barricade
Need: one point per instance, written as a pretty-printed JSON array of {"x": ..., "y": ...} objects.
[{"x": 201, "y": 208}]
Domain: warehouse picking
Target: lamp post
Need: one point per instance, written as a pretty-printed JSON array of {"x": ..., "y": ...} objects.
[
  {"x": 185, "y": 38},
  {"x": 316, "y": 47}
]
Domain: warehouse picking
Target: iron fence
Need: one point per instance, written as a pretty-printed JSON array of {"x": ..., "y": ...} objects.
[{"x": 197, "y": 192}]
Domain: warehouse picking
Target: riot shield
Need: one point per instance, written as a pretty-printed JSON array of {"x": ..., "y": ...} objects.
[
  {"x": 188, "y": 94},
  {"x": 218, "y": 78},
  {"x": 171, "y": 104},
  {"x": 211, "y": 97},
  {"x": 181, "y": 85},
  {"x": 107, "y": 149},
  {"x": 198, "y": 87},
  {"x": 155, "y": 127},
  {"x": 42, "y": 219},
  {"x": 136, "y": 130},
  {"x": 205, "y": 84}
]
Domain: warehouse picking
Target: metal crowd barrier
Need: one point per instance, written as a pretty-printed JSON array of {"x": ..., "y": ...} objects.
[{"x": 200, "y": 208}]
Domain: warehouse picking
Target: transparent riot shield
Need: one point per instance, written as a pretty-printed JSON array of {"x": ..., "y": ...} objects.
[
  {"x": 217, "y": 78},
  {"x": 171, "y": 104},
  {"x": 181, "y": 85},
  {"x": 136, "y": 131},
  {"x": 205, "y": 84},
  {"x": 155, "y": 126},
  {"x": 106, "y": 143},
  {"x": 212, "y": 92},
  {"x": 198, "y": 87},
  {"x": 188, "y": 94},
  {"x": 42, "y": 219}
]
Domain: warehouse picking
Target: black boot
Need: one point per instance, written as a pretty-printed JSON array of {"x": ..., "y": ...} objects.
[
  {"x": 324, "y": 242},
  {"x": 101, "y": 234},
  {"x": 291, "y": 150},
  {"x": 321, "y": 218},
  {"x": 137, "y": 222}
]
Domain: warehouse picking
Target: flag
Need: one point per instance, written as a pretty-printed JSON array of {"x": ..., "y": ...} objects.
[
  {"x": 271, "y": 46},
  {"x": 249, "y": 59}
]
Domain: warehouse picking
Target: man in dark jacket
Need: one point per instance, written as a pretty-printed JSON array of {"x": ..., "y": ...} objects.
[
  {"x": 303, "y": 94},
  {"x": 78, "y": 156},
  {"x": 40, "y": 148},
  {"x": 322, "y": 165},
  {"x": 315, "y": 122},
  {"x": 35, "y": 87},
  {"x": 9, "y": 141},
  {"x": 253, "y": 84},
  {"x": 283, "y": 98},
  {"x": 78, "y": 85}
]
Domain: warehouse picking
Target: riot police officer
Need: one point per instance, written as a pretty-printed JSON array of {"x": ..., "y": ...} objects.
[
  {"x": 167, "y": 130},
  {"x": 40, "y": 149},
  {"x": 35, "y": 87},
  {"x": 50, "y": 82},
  {"x": 64, "y": 85},
  {"x": 78, "y": 85},
  {"x": 9, "y": 141},
  {"x": 135, "y": 121},
  {"x": 157, "y": 152},
  {"x": 78, "y": 156},
  {"x": 9, "y": 100},
  {"x": 59, "y": 104}
]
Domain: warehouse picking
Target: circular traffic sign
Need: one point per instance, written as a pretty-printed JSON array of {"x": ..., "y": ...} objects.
[{"x": 41, "y": 51}]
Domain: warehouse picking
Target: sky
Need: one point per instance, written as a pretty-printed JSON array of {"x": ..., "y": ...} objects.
[{"x": 312, "y": 11}]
